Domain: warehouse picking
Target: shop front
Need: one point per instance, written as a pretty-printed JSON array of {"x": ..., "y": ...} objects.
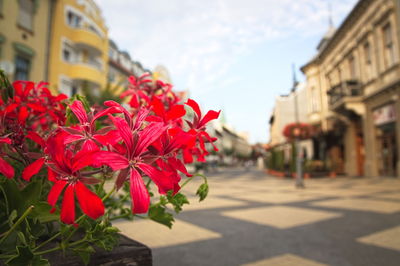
[{"x": 384, "y": 118}]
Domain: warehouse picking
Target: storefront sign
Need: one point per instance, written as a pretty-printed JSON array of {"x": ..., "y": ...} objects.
[{"x": 384, "y": 115}]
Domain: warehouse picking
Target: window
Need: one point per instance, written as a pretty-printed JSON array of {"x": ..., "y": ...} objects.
[
  {"x": 68, "y": 53},
  {"x": 314, "y": 100},
  {"x": 367, "y": 54},
  {"x": 368, "y": 60},
  {"x": 67, "y": 87},
  {"x": 352, "y": 68},
  {"x": 22, "y": 65},
  {"x": 73, "y": 19},
  {"x": 25, "y": 14},
  {"x": 388, "y": 45}
]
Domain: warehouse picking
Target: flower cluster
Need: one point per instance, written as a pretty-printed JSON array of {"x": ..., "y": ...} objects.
[
  {"x": 154, "y": 138},
  {"x": 298, "y": 130}
]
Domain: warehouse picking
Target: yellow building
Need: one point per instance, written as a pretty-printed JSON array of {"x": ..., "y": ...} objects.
[
  {"x": 79, "y": 47},
  {"x": 24, "y": 36},
  {"x": 353, "y": 86}
]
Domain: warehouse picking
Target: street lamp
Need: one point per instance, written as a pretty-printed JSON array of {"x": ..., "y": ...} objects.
[{"x": 299, "y": 170}]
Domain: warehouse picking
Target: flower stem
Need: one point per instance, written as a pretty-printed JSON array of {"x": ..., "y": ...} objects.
[
  {"x": 191, "y": 178},
  {"x": 47, "y": 241},
  {"x": 20, "y": 220},
  {"x": 108, "y": 194}
]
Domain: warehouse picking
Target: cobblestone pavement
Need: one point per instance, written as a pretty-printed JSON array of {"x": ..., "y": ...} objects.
[{"x": 250, "y": 218}]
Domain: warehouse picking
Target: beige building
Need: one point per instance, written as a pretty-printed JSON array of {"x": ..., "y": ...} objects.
[
  {"x": 24, "y": 37},
  {"x": 353, "y": 87}
]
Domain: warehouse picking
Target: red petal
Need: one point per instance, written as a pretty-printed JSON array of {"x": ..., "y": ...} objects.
[
  {"x": 148, "y": 136},
  {"x": 111, "y": 110},
  {"x": 124, "y": 131},
  {"x": 32, "y": 169},
  {"x": 80, "y": 112},
  {"x": 194, "y": 106},
  {"x": 90, "y": 203},
  {"x": 90, "y": 145},
  {"x": 23, "y": 114},
  {"x": 6, "y": 169},
  {"x": 211, "y": 115},
  {"x": 82, "y": 159},
  {"x": 36, "y": 138},
  {"x": 187, "y": 156},
  {"x": 36, "y": 107},
  {"x": 51, "y": 175},
  {"x": 72, "y": 138},
  {"x": 110, "y": 137},
  {"x": 5, "y": 140},
  {"x": 55, "y": 192},
  {"x": 158, "y": 107},
  {"x": 163, "y": 182},
  {"x": 139, "y": 194},
  {"x": 10, "y": 108},
  {"x": 176, "y": 112},
  {"x": 178, "y": 165},
  {"x": 112, "y": 159},
  {"x": 68, "y": 205}
]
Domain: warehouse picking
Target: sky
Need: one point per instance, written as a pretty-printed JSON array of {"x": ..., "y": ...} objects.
[{"x": 231, "y": 55}]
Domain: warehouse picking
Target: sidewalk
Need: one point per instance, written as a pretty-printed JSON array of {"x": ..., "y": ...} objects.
[{"x": 253, "y": 219}]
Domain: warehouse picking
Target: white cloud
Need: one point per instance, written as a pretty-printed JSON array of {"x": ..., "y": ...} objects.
[
  {"x": 198, "y": 41},
  {"x": 196, "y": 38}
]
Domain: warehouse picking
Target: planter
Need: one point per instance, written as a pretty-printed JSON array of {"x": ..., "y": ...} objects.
[{"x": 128, "y": 252}]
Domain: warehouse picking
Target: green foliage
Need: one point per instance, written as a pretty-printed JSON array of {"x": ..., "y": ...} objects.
[
  {"x": 71, "y": 118},
  {"x": 6, "y": 90},
  {"x": 202, "y": 191}
]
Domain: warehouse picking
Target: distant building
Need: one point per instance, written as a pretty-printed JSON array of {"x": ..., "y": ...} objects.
[
  {"x": 284, "y": 113},
  {"x": 353, "y": 87},
  {"x": 79, "y": 47},
  {"x": 121, "y": 67},
  {"x": 24, "y": 38}
]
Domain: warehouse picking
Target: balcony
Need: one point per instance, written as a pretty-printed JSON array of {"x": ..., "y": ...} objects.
[
  {"x": 89, "y": 40},
  {"x": 87, "y": 72},
  {"x": 346, "y": 98}
]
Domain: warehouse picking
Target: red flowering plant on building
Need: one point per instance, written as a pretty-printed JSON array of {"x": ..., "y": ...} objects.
[
  {"x": 67, "y": 170},
  {"x": 298, "y": 130}
]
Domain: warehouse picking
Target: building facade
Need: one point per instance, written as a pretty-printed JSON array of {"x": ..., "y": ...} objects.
[
  {"x": 353, "y": 87},
  {"x": 79, "y": 47},
  {"x": 284, "y": 113},
  {"x": 24, "y": 38},
  {"x": 121, "y": 67}
]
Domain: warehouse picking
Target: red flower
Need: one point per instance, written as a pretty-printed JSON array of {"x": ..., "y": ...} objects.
[
  {"x": 133, "y": 158},
  {"x": 34, "y": 167},
  {"x": 198, "y": 127},
  {"x": 5, "y": 168},
  {"x": 64, "y": 170},
  {"x": 86, "y": 132}
]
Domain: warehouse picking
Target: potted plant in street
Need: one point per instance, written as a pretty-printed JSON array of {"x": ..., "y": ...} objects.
[{"x": 68, "y": 170}]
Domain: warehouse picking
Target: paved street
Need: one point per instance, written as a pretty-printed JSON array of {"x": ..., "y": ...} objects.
[{"x": 250, "y": 218}]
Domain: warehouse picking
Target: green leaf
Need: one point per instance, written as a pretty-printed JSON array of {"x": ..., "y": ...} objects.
[
  {"x": 177, "y": 200},
  {"x": 158, "y": 213},
  {"x": 24, "y": 257},
  {"x": 202, "y": 191},
  {"x": 84, "y": 252},
  {"x": 6, "y": 90},
  {"x": 39, "y": 261},
  {"x": 42, "y": 212},
  {"x": 14, "y": 196},
  {"x": 12, "y": 217},
  {"x": 22, "y": 238}
]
